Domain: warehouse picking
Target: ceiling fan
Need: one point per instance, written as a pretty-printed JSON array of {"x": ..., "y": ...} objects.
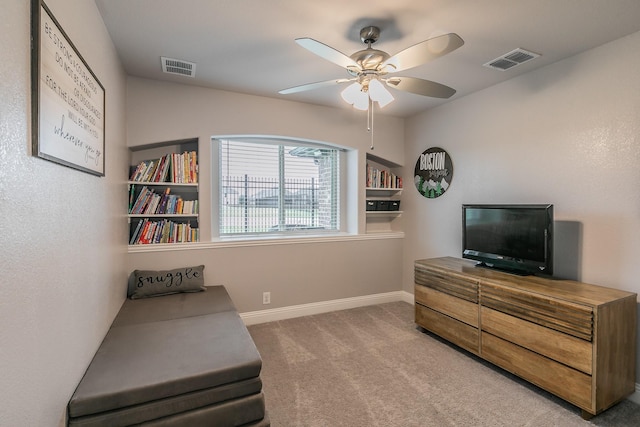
[{"x": 370, "y": 68}]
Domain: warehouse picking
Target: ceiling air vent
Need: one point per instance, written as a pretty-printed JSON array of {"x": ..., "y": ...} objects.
[
  {"x": 178, "y": 66},
  {"x": 511, "y": 59}
]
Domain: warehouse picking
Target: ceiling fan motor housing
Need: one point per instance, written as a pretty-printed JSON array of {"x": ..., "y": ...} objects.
[
  {"x": 369, "y": 34},
  {"x": 370, "y": 59}
]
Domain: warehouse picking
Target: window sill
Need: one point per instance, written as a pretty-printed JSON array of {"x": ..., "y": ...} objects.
[{"x": 235, "y": 242}]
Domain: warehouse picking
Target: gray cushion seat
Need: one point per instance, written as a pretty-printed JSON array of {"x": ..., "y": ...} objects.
[{"x": 173, "y": 360}]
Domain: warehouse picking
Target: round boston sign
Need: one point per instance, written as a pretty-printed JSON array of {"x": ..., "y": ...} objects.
[{"x": 433, "y": 172}]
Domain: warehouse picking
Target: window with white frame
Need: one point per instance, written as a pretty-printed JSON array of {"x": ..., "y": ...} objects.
[{"x": 277, "y": 186}]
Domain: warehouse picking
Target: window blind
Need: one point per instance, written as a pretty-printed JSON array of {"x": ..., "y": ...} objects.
[{"x": 277, "y": 187}]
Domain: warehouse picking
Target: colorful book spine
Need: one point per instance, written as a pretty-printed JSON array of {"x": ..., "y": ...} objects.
[
  {"x": 164, "y": 231},
  {"x": 381, "y": 178}
]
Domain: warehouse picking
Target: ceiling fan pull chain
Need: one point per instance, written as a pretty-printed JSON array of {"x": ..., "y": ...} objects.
[{"x": 370, "y": 121}]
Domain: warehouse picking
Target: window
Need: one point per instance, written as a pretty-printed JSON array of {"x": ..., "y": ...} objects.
[{"x": 277, "y": 186}]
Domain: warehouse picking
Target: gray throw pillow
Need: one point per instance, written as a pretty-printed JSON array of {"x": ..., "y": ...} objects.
[{"x": 150, "y": 283}]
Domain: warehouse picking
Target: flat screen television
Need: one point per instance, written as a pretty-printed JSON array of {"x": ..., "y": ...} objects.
[{"x": 514, "y": 238}]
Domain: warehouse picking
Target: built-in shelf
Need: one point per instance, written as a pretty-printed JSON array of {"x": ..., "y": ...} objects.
[
  {"x": 163, "y": 215},
  {"x": 163, "y": 193},
  {"x": 383, "y": 192},
  {"x": 163, "y": 184},
  {"x": 384, "y": 213}
]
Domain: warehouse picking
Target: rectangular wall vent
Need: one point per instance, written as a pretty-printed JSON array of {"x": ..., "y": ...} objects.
[
  {"x": 511, "y": 59},
  {"x": 178, "y": 66}
]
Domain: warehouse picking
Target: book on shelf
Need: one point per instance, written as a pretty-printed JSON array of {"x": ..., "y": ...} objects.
[
  {"x": 149, "y": 202},
  {"x": 136, "y": 232},
  {"x": 148, "y": 176},
  {"x": 382, "y": 178},
  {"x": 179, "y": 168},
  {"x": 140, "y": 230},
  {"x": 190, "y": 207},
  {"x": 141, "y": 201},
  {"x": 132, "y": 191},
  {"x": 162, "y": 206},
  {"x": 164, "y": 236},
  {"x": 149, "y": 232},
  {"x": 173, "y": 205}
]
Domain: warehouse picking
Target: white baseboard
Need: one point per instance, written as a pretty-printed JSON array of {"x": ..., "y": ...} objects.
[{"x": 282, "y": 313}]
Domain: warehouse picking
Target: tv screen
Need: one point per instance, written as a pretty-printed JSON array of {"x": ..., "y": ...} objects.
[{"x": 515, "y": 238}]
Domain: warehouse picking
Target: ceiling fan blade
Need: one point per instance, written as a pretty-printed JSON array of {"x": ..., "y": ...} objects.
[
  {"x": 420, "y": 87},
  {"x": 327, "y": 52},
  {"x": 311, "y": 86},
  {"x": 422, "y": 52}
]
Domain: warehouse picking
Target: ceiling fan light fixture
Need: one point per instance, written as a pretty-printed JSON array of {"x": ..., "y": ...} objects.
[
  {"x": 354, "y": 95},
  {"x": 362, "y": 103},
  {"x": 368, "y": 66},
  {"x": 379, "y": 93}
]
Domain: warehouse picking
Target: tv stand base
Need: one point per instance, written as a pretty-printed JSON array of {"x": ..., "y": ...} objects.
[{"x": 575, "y": 340}]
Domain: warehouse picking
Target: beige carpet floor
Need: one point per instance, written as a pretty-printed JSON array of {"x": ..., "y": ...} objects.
[{"x": 371, "y": 366}]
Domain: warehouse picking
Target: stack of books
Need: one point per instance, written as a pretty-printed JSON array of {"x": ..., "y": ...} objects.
[
  {"x": 163, "y": 231},
  {"x": 172, "y": 167},
  {"x": 149, "y": 202},
  {"x": 382, "y": 178}
]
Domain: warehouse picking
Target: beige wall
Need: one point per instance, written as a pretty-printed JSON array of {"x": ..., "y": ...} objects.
[
  {"x": 567, "y": 134},
  {"x": 63, "y": 235},
  {"x": 160, "y": 111},
  {"x": 294, "y": 273}
]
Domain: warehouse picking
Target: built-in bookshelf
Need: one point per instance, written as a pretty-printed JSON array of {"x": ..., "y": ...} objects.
[
  {"x": 384, "y": 186},
  {"x": 163, "y": 194}
]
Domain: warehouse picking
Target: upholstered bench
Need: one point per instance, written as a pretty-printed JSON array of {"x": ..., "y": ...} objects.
[{"x": 184, "y": 359}]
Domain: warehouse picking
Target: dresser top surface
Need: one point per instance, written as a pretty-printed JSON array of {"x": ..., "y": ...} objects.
[{"x": 569, "y": 290}]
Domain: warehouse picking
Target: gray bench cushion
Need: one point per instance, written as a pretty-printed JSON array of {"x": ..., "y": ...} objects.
[
  {"x": 247, "y": 411},
  {"x": 173, "y": 405},
  {"x": 165, "y": 347},
  {"x": 214, "y": 300}
]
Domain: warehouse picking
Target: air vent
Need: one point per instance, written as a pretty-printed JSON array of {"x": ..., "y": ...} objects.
[
  {"x": 178, "y": 66},
  {"x": 511, "y": 59}
]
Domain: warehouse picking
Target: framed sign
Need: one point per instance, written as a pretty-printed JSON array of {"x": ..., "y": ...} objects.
[
  {"x": 67, "y": 99},
  {"x": 433, "y": 172}
]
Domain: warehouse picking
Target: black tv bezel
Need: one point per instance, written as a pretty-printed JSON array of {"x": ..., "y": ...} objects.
[{"x": 506, "y": 263}]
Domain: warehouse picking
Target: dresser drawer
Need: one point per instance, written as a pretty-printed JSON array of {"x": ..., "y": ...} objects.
[
  {"x": 567, "y": 383},
  {"x": 457, "y": 308},
  {"x": 570, "y": 318},
  {"x": 457, "y": 286},
  {"x": 452, "y": 330},
  {"x": 558, "y": 346}
]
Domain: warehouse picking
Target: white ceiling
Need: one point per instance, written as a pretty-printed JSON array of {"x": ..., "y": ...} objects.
[{"x": 248, "y": 46}]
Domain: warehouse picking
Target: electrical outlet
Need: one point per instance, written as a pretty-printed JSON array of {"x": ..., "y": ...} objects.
[{"x": 266, "y": 297}]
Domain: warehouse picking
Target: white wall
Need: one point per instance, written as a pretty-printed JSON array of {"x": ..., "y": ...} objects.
[
  {"x": 297, "y": 273},
  {"x": 567, "y": 134},
  {"x": 63, "y": 231}
]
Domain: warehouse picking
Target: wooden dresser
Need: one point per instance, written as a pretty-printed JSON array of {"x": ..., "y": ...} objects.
[{"x": 575, "y": 340}]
